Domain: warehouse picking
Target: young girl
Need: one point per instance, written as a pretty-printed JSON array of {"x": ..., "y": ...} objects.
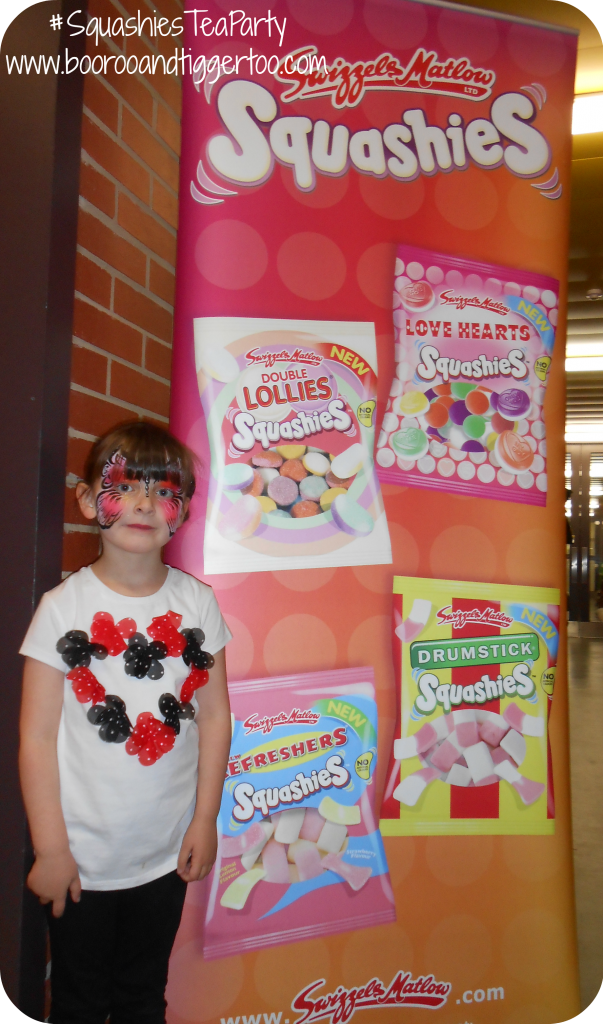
[{"x": 125, "y": 732}]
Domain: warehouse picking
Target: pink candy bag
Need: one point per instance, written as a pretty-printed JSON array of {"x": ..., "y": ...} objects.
[
  {"x": 300, "y": 853},
  {"x": 474, "y": 343}
]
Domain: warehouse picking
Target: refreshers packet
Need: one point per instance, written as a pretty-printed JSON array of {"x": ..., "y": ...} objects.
[
  {"x": 474, "y": 344},
  {"x": 290, "y": 407},
  {"x": 300, "y": 854},
  {"x": 476, "y": 668}
]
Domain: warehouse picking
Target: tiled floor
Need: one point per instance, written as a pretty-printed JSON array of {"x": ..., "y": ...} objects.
[{"x": 586, "y": 722}]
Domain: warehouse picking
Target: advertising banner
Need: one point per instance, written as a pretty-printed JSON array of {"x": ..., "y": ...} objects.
[{"x": 381, "y": 488}]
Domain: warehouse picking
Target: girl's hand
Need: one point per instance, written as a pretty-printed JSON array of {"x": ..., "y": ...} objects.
[
  {"x": 52, "y": 877},
  {"x": 198, "y": 850}
]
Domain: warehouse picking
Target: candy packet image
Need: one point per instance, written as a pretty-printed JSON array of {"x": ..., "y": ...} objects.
[
  {"x": 290, "y": 408},
  {"x": 475, "y": 666},
  {"x": 300, "y": 854},
  {"x": 474, "y": 343}
]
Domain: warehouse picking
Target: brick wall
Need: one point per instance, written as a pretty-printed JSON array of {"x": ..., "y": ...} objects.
[{"x": 126, "y": 251}]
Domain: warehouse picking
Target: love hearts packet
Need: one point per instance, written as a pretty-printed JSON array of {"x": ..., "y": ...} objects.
[{"x": 474, "y": 343}]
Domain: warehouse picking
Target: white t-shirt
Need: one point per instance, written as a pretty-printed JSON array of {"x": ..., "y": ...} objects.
[{"x": 125, "y": 820}]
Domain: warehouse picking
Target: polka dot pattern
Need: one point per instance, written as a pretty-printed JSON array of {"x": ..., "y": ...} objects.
[
  {"x": 534, "y": 943},
  {"x": 394, "y": 200},
  {"x": 231, "y": 254},
  {"x": 299, "y": 643},
  {"x": 276, "y": 973},
  {"x": 402, "y": 25},
  {"x": 311, "y": 265},
  {"x": 460, "y": 863},
  {"x": 200, "y": 990},
  {"x": 477, "y": 554},
  {"x": 459, "y": 946},
  {"x": 375, "y": 953},
  {"x": 468, "y": 201},
  {"x": 324, "y": 19},
  {"x": 374, "y": 273}
]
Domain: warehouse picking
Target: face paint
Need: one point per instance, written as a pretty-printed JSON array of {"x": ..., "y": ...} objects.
[
  {"x": 171, "y": 503},
  {"x": 109, "y": 501},
  {"x": 147, "y": 481}
]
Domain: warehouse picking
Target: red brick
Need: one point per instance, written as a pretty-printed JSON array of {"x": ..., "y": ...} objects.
[
  {"x": 99, "y": 239},
  {"x": 89, "y": 369},
  {"x": 142, "y": 311},
  {"x": 133, "y": 7},
  {"x": 105, "y": 332},
  {"x": 139, "y": 138},
  {"x": 101, "y": 102},
  {"x": 72, "y": 512},
  {"x": 146, "y": 229},
  {"x": 131, "y": 88},
  {"x": 137, "y": 389},
  {"x": 77, "y": 453},
  {"x": 92, "y": 280},
  {"x": 165, "y": 203},
  {"x": 158, "y": 358},
  {"x": 115, "y": 160},
  {"x": 162, "y": 282},
  {"x": 97, "y": 189},
  {"x": 168, "y": 86},
  {"x": 168, "y": 127},
  {"x": 96, "y": 416},
  {"x": 79, "y": 549}
]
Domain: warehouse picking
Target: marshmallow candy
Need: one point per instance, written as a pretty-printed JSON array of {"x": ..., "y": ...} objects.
[
  {"x": 465, "y": 726},
  {"x": 411, "y": 788},
  {"x": 288, "y": 824},
  {"x": 235, "y": 897},
  {"x": 491, "y": 727},
  {"x": 249, "y": 857},
  {"x": 332, "y": 837},
  {"x": 529, "y": 725},
  {"x": 479, "y": 762},
  {"x": 234, "y": 846},
  {"x": 459, "y": 776},
  {"x": 312, "y": 826},
  {"x": 416, "y": 621},
  {"x": 339, "y": 814},
  {"x": 355, "y": 876},
  {"x": 306, "y": 857},
  {"x": 515, "y": 745},
  {"x": 274, "y": 860},
  {"x": 447, "y": 753},
  {"x": 349, "y": 462},
  {"x": 528, "y": 790}
]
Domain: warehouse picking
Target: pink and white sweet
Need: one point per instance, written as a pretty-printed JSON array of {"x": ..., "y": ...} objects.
[{"x": 468, "y": 748}]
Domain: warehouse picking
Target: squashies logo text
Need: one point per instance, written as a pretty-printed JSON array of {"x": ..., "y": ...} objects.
[{"x": 259, "y": 133}]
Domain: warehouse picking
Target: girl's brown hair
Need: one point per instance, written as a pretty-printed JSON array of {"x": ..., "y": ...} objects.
[{"x": 149, "y": 450}]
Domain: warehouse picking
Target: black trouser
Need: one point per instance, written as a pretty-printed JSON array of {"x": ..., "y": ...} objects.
[{"x": 110, "y": 954}]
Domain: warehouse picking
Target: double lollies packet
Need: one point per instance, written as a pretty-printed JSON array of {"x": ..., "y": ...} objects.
[
  {"x": 474, "y": 343},
  {"x": 475, "y": 665},
  {"x": 300, "y": 854},
  {"x": 290, "y": 409}
]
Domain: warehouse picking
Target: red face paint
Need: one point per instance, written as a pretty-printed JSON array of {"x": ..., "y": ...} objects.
[
  {"x": 110, "y": 500},
  {"x": 171, "y": 498}
]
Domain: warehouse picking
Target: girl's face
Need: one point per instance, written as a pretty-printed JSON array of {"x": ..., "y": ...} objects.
[{"x": 141, "y": 514}]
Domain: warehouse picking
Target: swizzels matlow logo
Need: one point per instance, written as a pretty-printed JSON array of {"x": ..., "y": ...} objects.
[
  {"x": 459, "y": 618},
  {"x": 266, "y": 724},
  {"x": 339, "y": 1006},
  {"x": 347, "y": 83}
]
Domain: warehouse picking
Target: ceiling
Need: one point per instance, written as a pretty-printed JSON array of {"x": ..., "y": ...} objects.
[{"x": 585, "y": 270}]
